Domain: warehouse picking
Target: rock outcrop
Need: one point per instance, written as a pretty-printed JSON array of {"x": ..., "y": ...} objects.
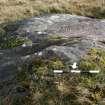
[{"x": 66, "y": 36}]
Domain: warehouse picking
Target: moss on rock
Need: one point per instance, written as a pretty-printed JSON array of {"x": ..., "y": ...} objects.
[{"x": 10, "y": 42}]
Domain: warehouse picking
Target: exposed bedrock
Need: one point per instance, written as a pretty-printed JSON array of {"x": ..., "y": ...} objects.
[{"x": 66, "y": 36}]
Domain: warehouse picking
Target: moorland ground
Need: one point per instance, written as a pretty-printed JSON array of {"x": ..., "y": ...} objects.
[{"x": 11, "y": 10}]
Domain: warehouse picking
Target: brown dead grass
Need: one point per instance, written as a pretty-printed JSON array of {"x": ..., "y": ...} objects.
[{"x": 11, "y": 10}]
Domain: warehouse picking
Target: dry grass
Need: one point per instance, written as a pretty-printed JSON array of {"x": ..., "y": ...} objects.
[{"x": 11, "y": 10}]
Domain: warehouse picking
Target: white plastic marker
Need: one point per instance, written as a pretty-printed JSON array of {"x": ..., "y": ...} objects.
[
  {"x": 74, "y": 66},
  {"x": 94, "y": 71},
  {"x": 24, "y": 45},
  {"x": 58, "y": 71},
  {"x": 40, "y": 53},
  {"x": 75, "y": 71}
]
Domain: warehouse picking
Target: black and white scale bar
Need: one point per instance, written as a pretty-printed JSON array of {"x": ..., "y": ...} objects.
[{"x": 76, "y": 71}]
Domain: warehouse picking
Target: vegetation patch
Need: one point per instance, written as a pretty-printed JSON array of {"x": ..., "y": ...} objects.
[
  {"x": 36, "y": 73},
  {"x": 10, "y": 42},
  {"x": 96, "y": 12},
  {"x": 95, "y": 59},
  {"x": 45, "y": 88},
  {"x": 16, "y": 10},
  {"x": 44, "y": 67}
]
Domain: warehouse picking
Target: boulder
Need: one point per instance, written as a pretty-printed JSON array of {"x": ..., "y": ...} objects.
[{"x": 67, "y": 36}]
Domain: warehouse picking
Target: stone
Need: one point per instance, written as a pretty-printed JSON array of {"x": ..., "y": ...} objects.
[{"x": 77, "y": 34}]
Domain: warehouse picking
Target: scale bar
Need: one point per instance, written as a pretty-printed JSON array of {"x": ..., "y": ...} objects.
[{"x": 76, "y": 71}]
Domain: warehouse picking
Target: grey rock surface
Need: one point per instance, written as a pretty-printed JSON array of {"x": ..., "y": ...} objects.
[
  {"x": 85, "y": 32},
  {"x": 67, "y": 36}
]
